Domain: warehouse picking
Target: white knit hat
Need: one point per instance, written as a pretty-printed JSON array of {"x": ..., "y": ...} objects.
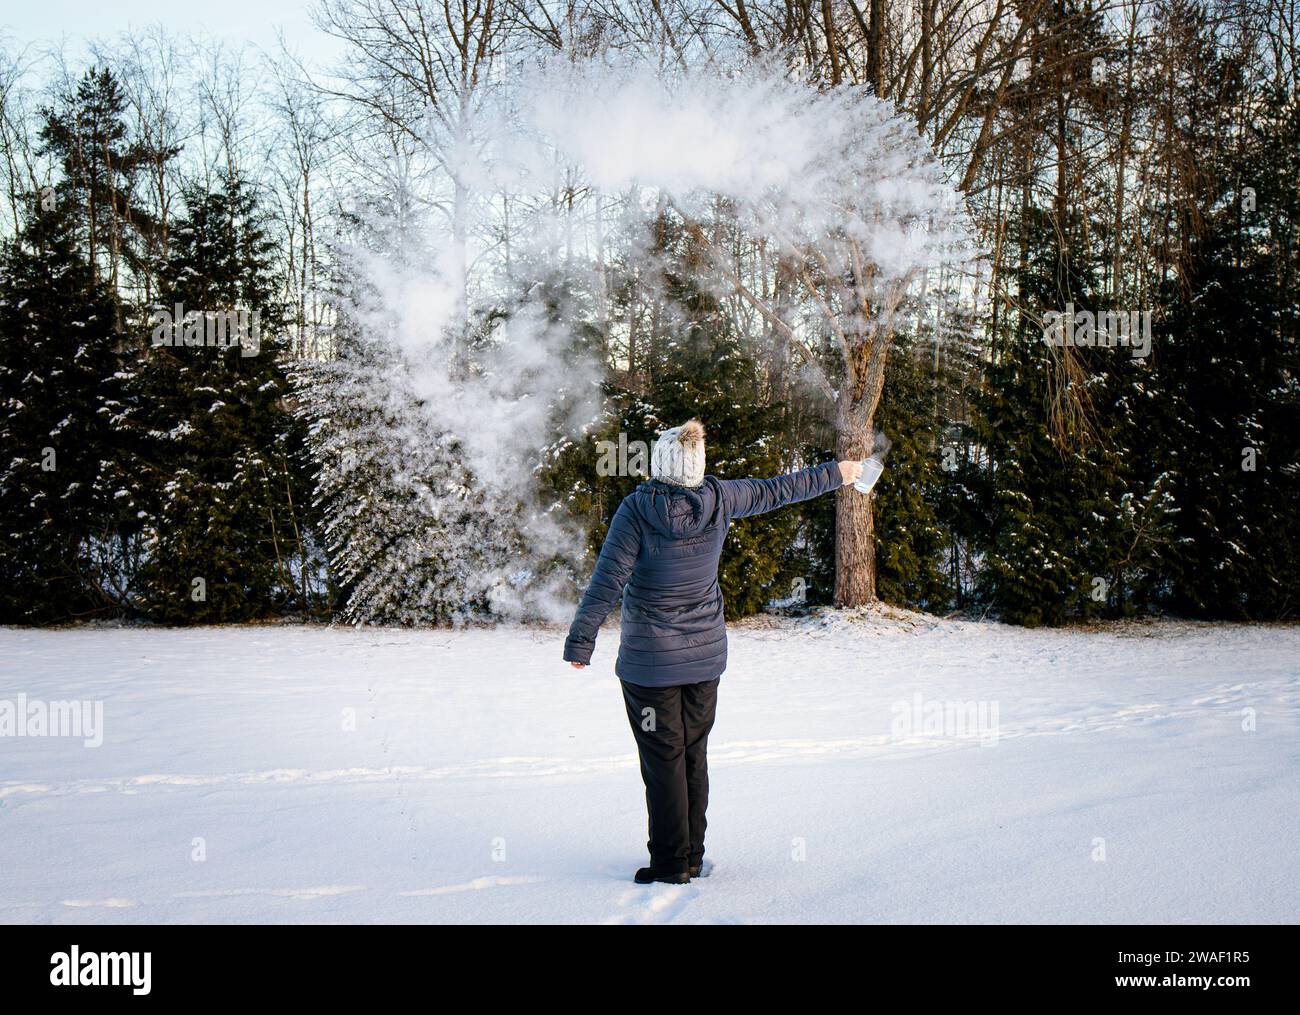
[{"x": 678, "y": 455}]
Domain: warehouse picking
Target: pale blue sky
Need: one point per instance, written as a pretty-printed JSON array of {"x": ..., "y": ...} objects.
[{"x": 44, "y": 23}]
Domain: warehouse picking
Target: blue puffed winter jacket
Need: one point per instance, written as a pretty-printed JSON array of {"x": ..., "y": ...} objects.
[{"x": 663, "y": 545}]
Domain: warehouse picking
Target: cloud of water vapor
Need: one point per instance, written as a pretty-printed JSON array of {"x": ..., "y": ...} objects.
[{"x": 499, "y": 267}]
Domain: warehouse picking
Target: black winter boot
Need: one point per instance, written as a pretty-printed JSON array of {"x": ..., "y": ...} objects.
[{"x": 648, "y": 875}]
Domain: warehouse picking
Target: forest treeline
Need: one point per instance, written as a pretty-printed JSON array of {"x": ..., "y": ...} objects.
[{"x": 1098, "y": 417}]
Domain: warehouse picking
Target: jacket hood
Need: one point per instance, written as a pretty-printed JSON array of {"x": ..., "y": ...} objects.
[{"x": 677, "y": 511}]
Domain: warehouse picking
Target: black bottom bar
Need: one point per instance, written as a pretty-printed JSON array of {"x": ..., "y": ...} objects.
[{"x": 489, "y": 965}]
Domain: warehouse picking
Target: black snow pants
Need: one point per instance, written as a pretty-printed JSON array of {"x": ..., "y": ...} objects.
[{"x": 671, "y": 726}]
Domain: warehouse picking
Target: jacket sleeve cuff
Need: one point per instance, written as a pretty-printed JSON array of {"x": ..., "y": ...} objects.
[{"x": 578, "y": 651}]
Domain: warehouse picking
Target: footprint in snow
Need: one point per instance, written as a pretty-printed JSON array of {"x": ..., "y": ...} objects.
[{"x": 653, "y": 904}]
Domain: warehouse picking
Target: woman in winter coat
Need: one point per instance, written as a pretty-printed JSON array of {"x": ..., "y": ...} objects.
[{"x": 661, "y": 554}]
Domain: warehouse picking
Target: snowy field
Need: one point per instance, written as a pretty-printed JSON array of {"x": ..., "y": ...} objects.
[{"x": 289, "y": 774}]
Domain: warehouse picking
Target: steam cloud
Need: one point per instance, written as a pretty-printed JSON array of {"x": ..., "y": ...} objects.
[{"x": 797, "y": 166}]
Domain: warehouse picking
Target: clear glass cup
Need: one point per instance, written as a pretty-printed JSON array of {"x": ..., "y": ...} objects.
[{"x": 871, "y": 469}]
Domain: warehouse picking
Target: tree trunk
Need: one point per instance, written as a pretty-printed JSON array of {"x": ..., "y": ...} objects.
[{"x": 855, "y": 534}]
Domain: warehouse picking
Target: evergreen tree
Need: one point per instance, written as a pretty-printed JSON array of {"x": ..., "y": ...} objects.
[
  {"x": 64, "y": 483},
  {"x": 227, "y": 522},
  {"x": 1228, "y": 364},
  {"x": 1073, "y": 520},
  {"x": 417, "y": 531}
]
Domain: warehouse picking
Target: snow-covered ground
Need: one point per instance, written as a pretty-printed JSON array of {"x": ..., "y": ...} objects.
[{"x": 312, "y": 775}]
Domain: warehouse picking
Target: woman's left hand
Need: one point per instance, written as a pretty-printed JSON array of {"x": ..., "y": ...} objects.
[{"x": 578, "y": 666}]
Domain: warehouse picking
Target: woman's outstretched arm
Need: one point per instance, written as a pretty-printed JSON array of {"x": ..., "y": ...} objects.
[{"x": 754, "y": 496}]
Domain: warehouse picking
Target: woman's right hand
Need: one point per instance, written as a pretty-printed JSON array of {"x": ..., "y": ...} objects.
[{"x": 850, "y": 471}]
